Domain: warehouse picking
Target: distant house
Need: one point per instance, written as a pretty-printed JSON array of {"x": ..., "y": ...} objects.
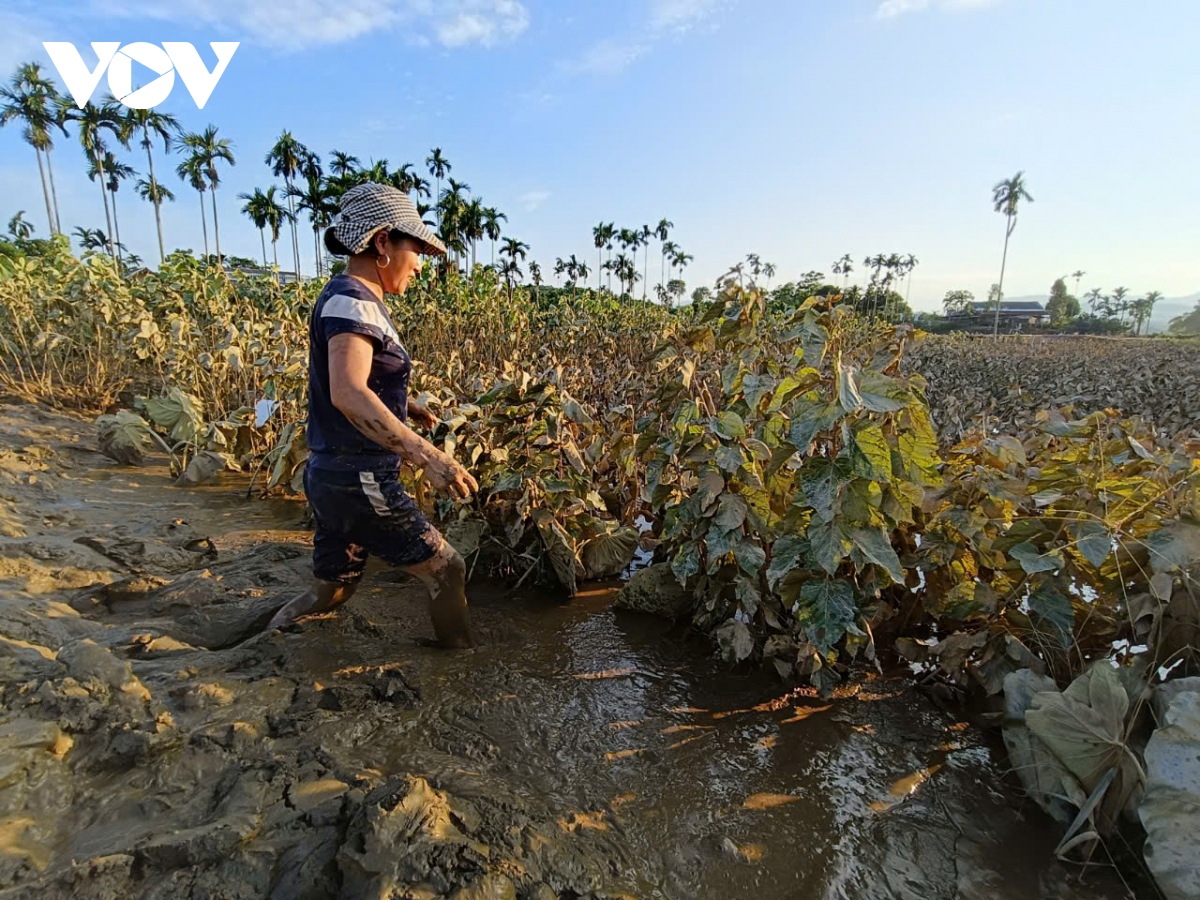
[{"x": 1014, "y": 313}]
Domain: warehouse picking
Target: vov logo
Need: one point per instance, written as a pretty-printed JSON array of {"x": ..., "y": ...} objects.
[{"x": 171, "y": 57}]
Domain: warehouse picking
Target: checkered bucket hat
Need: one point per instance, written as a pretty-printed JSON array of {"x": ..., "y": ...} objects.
[{"x": 368, "y": 208}]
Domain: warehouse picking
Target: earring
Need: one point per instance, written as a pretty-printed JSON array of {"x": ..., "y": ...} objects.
[{"x": 386, "y": 264}]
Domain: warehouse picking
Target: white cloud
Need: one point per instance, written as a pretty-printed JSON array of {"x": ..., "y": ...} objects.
[
  {"x": 611, "y": 56},
  {"x": 680, "y": 15},
  {"x": 890, "y": 9},
  {"x": 607, "y": 57},
  {"x": 532, "y": 200},
  {"x": 294, "y": 24}
]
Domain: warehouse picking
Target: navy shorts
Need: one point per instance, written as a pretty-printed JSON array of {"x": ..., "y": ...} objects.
[{"x": 363, "y": 513}]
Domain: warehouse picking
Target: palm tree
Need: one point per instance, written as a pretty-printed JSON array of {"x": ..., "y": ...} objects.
[
  {"x": 153, "y": 124},
  {"x": 191, "y": 170},
  {"x": 33, "y": 101},
  {"x": 491, "y": 227},
  {"x": 513, "y": 250},
  {"x": 1007, "y": 196},
  {"x": 1117, "y": 304},
  {"x": 646, "y": 234},
  {"x": 316, "y": 199},
  {"x": 844, "y": 267},
  {"x": 910, "y": 263},
  {"x": 209, "y": 150},
  {"x": 90, "y": 238},
  {"x": 473, "y": 220},
  {"x": 112, "y": 172},
  {"x": 1078, "y": 276},
  {"x": 769, "y": 270},
  {"x": 93, "y": 121},
  {"x": 285, "y": 160},
  {"x": 276, "y": 215},
  {"x": 342, "y": 164},
  {"x": 662, "y": 232},
  {"x": 680, "y": 260},
  {"x": 439, "y": 168},
  {"x": 603, "y": 235},
  {"x": 1144, "y": 308},
  {"x": 1094, "y": 298},
  {"x": 255, "y": 209}
]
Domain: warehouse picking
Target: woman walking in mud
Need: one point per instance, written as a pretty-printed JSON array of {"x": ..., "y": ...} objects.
[{"x": 359, "y": 408}]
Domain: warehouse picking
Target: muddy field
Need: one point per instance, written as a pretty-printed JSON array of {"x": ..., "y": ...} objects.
[{"x": 156, "y": 744}]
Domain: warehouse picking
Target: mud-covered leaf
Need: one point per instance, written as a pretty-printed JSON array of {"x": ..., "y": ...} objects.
[
  {"x": 1084, "y": 726},
  {"x": 180, "y": 413},
  {"x": 204, "y": 467},
  {"x": 1093, "y": 541},
  {"x": 559, "y": 548},
  {"x": 735, "y": 640},
  {"x": 125, "y": 437},
  {"x": 608, "y": 555}
]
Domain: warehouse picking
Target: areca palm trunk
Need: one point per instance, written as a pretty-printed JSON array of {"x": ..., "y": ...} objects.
[
  {"x": 292, "y": 221},
  {"x": 275, "y": 249},
  {"x": 262, "y": 236},
  {"x": 112, "y": 249},
  {"x": 116, "y": 226},
  {"x": 204, "y": 224},
  {"x": 1000, "y": 288},
  {"x": 216, "y": 227},
  {"x": 45, "y": 190},
  {"x": 317, "y": 248},
  {"x": 162, "y": 251},
  {"x": 53, "y": 194}
]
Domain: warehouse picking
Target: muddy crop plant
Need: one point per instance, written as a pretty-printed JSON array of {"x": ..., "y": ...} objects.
[{"x": 787, "y": 458}]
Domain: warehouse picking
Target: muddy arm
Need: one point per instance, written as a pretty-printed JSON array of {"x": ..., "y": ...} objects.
[{"x": 350, "y": 357}]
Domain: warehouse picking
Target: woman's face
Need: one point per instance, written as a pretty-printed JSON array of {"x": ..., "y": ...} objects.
[{"x": 405, "y": 262}]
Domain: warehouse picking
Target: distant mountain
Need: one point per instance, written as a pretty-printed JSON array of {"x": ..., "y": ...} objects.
[{"x": 1164, "y": 311}]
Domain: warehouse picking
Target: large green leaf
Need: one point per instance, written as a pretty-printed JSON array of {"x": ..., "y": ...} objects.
[
  {"x": 710, "y": 488},
  {"x": 826, "y": 612},
  {"x": 729, "y": 425},
  {"x": 877, "y": 548},
  {"x": 731, "y": 512},
  {"x": 786, "y": 554},
  {"x": 1033, "y": 561},
  {"x": 881, "y": 393},
  {"x": 821, "y": 479},
  {"x": 1052, "y": 606},
  {"x": 828, "y": 545},
  {"x": 749, "y": 555},
  {"x": 180, "y": 413},
  {"x": 1093, "y": 541},
  {"x": 873, "y": 456},
  {"x": 686, "y": 563}
]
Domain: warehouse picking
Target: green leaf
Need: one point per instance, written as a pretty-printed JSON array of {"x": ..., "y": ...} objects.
[
  {"x": 747, "y": 593},
  {"x": 877, "y": 548},
  {"x": 1053, "y": 607},
  {"x": 873, "y": 458},
  {"x": 919, "y": 452},
  {"x": 735, "y": 640},
  {"x": 881, "y": 393},
  {"x": 821, "y": 479},
  {"x": 1033, "y": 562},
  {"x": 826, "y": 612},
  {"x": 810, "y": 418},
  {"x": 1093, "y": 541},
  {"x": 731, "y": 513},
  {"x": 608, "y": 555},
  {"x": 686, "y": 563},
  {"x": 729, "y": 425},
  {"x": 710, "y": 488},
  {"x": 828, "y": 546},
  {"x": 730, "y": 459},
  {"x": 848, "y": 394},
  {"x": 750, "y": 556},
  {"x": 786, "y": 555}
]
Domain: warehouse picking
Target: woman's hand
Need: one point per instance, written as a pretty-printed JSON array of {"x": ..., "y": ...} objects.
[
  {"x": 419, "y": 414},
  {"x": 446, "y": 475}
]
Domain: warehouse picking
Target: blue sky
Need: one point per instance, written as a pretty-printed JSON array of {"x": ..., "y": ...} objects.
[{"x": 796, "y": 129}]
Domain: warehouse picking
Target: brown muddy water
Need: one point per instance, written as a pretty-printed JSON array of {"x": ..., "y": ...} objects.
[{"x": 154, "y": 744}]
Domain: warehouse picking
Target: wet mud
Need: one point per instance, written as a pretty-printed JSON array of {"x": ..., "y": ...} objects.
[{"x": 155, "y": 743}]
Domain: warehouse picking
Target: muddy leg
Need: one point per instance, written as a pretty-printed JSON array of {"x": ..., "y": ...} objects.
[
  {"x": 322, "y": 597},
  {"x": 445, "y": 578}
]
